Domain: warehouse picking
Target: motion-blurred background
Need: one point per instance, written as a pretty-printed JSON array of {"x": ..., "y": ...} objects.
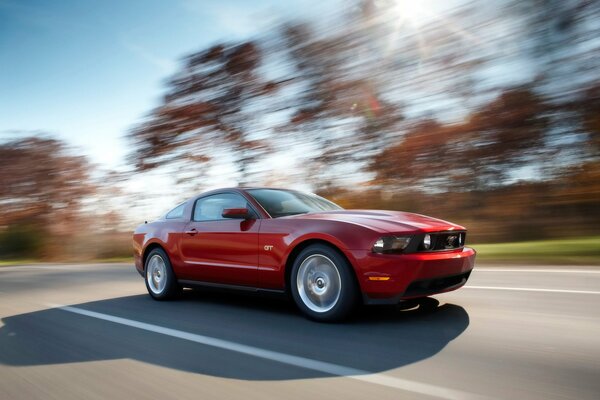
[{"x": 486, "y": 113}]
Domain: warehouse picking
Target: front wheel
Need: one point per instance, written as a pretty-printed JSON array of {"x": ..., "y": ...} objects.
[
  {"x": 322, "y": 284},
  {"x": 160, "y": 279}
]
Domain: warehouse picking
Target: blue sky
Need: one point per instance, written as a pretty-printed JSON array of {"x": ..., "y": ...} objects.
[{"x": 87, "y": 70}]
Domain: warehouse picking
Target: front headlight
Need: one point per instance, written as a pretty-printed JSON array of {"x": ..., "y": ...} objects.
[{"x": 391, "y": 244}]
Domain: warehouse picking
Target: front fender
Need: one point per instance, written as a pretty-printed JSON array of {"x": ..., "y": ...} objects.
[
  {"x": 280, "y": 239},
  {"x": 322, "y": 237}
]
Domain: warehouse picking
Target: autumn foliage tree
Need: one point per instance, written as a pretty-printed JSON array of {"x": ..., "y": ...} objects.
[
  {"x": 212, "y": 106},
  {"x": 42, "y": 187},
  {"x": 481, "y": 153}
]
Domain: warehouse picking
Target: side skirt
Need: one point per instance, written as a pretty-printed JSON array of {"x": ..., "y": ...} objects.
[{"x": 251, "y": 289}]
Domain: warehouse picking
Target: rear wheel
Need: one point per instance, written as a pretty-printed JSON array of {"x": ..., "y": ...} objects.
[
  {"x": 160, "y": 279},
  {"x": 322, "y": 284}
]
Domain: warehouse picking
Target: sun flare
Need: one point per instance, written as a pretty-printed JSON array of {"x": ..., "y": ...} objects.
[{"x": 410, "y": 12}]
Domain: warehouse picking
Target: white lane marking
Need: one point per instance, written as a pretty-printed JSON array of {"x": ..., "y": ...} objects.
[
  {"x": 46, "y": 267},
  {"x": 522, "y": 289},
  {"x": 558, "y": 271},
  {"x": 296, "y": 361}
]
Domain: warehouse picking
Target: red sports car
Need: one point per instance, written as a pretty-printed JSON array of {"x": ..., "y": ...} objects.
[{"x": 329, "y": 259}]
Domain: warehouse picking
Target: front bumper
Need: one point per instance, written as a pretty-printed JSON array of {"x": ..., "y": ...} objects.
[{"x": 390, "y": 278}]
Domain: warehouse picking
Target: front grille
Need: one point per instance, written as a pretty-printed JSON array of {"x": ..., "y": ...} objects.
[{"x": 449, "y": 240}]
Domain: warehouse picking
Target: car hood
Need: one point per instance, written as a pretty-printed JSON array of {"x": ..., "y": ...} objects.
[{"x": 383, "y": 220}]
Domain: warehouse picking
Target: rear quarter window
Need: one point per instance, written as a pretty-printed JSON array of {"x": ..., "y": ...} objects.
[{"x": 176, "y": 213}]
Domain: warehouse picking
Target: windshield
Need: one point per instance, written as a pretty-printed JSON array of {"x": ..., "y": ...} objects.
[{"x": 279, "y": 203}]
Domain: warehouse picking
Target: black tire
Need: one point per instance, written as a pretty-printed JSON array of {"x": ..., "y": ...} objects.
[
  {"x": 159, "y": 290},
  {"x": 343, "y": 298}
]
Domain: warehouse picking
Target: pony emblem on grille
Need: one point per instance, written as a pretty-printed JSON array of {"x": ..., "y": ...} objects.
[{"x": 451, "y": 240}]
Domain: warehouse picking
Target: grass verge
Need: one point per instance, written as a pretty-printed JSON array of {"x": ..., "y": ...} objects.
[{"x": 579, "y": 251}]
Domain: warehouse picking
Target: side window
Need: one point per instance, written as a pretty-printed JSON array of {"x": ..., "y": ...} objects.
[
  {"x": 210, "y": 208},
  {"x": 177, "y": 212}
]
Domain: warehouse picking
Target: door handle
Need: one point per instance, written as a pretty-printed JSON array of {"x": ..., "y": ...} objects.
[{"x": 192, "y": 231}]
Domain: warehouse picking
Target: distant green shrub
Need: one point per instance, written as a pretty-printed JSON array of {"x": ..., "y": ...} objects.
[{"x": 21, "y": 241}]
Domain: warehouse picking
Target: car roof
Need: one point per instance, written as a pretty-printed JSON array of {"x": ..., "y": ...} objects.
[{"x": 242, "y": 189}]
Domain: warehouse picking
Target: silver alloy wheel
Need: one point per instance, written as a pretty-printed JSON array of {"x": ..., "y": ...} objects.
[
  {"x": 156, "y": 274},
  {"x": 319, "y": 283}
]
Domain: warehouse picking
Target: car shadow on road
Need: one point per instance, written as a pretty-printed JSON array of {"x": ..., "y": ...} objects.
[{"x": 377, "y": 339}]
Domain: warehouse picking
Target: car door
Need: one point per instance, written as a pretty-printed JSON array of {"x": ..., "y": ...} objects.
[{"x": 217, "y": 249}]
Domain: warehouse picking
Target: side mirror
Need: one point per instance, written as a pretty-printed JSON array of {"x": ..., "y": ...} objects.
[{"x": 236, "y": 213}]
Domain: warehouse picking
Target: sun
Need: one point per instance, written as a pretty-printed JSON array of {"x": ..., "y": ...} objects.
[{"x": 413, "y": 12}]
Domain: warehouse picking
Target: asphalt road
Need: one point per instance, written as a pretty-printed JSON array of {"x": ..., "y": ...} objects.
[{"x": 514, "y": 333}]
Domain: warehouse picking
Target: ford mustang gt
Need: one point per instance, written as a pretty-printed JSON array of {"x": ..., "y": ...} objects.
[{"x": 328, "y": 259}]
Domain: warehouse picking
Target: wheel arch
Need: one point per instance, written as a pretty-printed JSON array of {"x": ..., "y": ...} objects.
[
  {"x": 297, "y": 249},
  {"x": 148, "y": 249}
]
